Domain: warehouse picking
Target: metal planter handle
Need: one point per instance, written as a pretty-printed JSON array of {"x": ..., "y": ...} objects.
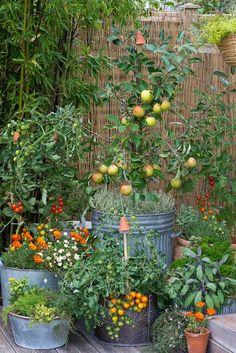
[{"x": 175, "y": 235}]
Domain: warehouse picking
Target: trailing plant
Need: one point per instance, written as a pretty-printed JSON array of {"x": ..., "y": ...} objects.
[
  {"x": 40, "y": 305},
  {"x": 200, "y": 280},
  {"x": 102, "y": 280},
  {"x": 168, "y": 332},
  {"x": 111, "y": 202},
  {"x": 218, "y": 27}
]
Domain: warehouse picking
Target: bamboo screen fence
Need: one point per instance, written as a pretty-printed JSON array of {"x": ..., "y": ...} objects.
[{"x": 172, "y": 23}]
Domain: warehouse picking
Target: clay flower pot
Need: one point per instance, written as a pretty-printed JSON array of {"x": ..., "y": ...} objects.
[
  {"x": 197, "y": 342},
  {"x": 183, "y": 242},
  {"x": 179, "y": 246}
]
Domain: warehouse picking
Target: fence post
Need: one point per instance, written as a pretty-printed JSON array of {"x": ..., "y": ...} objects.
[{"x": 189, "y": 14}]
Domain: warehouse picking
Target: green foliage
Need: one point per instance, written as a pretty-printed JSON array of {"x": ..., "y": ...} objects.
[
  {"x": 214, "y": 250},
  {"x": 42, "y": 164},
  {"x": 211, "y": 6},
  {"x": 107, "y": 201},
  {"x": 218, "y": 27},
  {"x": 168, "y": 332},
  {"x": 104, "y": 272},
  {"x": 21, "y": 258},
  {"x": 39, "y": 304},
  {"x": 200, "y": 279}
]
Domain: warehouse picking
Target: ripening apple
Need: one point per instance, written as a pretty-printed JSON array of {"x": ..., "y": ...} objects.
[
  {"x": 175, "y": 183},
  {"x": 102, "y": 169},
  {"x": 126, "y": 189},
  {"x": 165, "y": 105},
  {"x": 157, "y": 108},
  {"x": 97, "y": 178},
  {"x": 148, "y": 170},
  {"x": 112, "y": 170},
  {"x": 138, "y": 112},
  {"x": 151, "y": 121},
  {"x": 124, "y": 121},
  {"x": 146, "y": 96},
  {"x": 191, "y": 162},
  {"x": 121, "y": 164}
]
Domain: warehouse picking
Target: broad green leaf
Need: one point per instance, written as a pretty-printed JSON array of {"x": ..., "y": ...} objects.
[
  {"x": 189, "y": 300},
  {"x": 209, "y": 301},
  {"x": 199, "y": 272},
  {"x": 184, "y": 289},
  {"x": 198, "y": 297},
  {"x": 211, "y": 286}
]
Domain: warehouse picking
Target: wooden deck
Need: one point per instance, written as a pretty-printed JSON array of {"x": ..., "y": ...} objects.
[{"x": 78, "y": 343}]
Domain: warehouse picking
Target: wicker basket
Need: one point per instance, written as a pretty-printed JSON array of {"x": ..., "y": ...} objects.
[{"x": 228, "y": 49}]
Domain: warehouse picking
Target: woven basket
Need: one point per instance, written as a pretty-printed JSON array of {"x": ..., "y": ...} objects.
[{"x": 228, "y": 49}]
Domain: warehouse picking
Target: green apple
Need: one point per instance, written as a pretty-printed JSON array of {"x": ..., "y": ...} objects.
[
  {"x": 148, "y": 171},
  {"x": 157, "y": 108},
  {"x": 165, "y": 105},
  {"x": 102, "y": 169},
  {"x": 146, "y": 96},
  {"x": 138, "y": 112},
  {"x": 112, "y": 170},
  {"x": 151, "y": 121},
  {"x": 191, "y": 162},
  {"x": 176, "y": 183},
  {"x": 124, "y": 121},
  {"x": 97, "y": 178},
  {"x": 126, "y": 189}
]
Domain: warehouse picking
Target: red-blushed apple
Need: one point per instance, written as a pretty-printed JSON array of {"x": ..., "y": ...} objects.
[
  {"x": 124, "y": 121},
  {"x": 157, "y": 108},
  {"x": 138, "y": 112},
  {"x": 112, "y": 170},
  {"x": 102, "y": 169},
  {"x": 146, "y": 96},
  {"x": 151, "y": 121},
  {"x": 191, "y": 162},
  {"x": 165, "y": 105},
  {"x": 97, "y": 178},
  {"x": 176, "y": 183},
  {"x": 148, "y": 171},
  {"x": 126, "y": 189}
]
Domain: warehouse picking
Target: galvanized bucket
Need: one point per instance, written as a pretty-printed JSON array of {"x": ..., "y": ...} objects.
[
  {"x": 162, "y": 224},
  {"x": 39, "y": 336},
  {"x": 137, "y": 335},
  {"x": 229, "y": 308},
  {"x": 39, "y": 278}
]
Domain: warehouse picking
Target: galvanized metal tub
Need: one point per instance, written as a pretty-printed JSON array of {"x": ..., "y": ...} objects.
[
  {"x": 40, "y": 278},
  {"x": 229, "y": 308},
  {"x": 137, "y": 335},
  {"x": 162, "y": 224},
  {"x": 39, "y": 336}
]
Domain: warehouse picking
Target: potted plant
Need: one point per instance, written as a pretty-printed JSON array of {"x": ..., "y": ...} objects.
[
  {"x": 38, "y": 316},
  {"x": 220, "y": 30},
  {"x": 42, "y": 256},
  {"x": 168, "y": 332},
  {"x": 117, "y": 294},
  {"x": 200, "y": 279},
  {"x": 197, "y": 334}
]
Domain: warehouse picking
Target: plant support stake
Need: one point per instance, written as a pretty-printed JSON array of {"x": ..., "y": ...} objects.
[{"x": 124, "y": 228}]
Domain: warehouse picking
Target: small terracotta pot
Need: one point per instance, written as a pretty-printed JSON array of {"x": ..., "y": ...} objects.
[
  {"x": 197, "y": 343},
  {"x": 180, "y": 244},
  {"x": 233, "y": 239},
  {"x": 233, "y": 247},
  {"x": 183, "y": 242}
]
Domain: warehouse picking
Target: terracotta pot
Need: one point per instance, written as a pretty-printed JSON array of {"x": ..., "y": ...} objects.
[
  {"x": 233, "y": 247},
  {"x": 180, "y": 244},
  {"x": 197, "y": 343},
  {"x": 183, "y": 242},
  {"x": 233, "y": 239}
]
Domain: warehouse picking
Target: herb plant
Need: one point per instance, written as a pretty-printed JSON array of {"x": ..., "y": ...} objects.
[{"x": 218, "y": 27}]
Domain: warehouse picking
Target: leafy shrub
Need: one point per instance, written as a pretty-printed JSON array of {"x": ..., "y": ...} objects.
[
  {"x": 111, "y": 202},
  {"x": 168, "y": 332},
  {"x": 218, "y": 28}
]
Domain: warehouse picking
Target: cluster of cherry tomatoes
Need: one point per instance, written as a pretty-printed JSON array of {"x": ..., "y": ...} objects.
[
  {"x": 204, "y": 205},
  {"x": 17, "y": 207},
  {"x": 58, "y": 208},
  {"x": 211, "y": 181}
]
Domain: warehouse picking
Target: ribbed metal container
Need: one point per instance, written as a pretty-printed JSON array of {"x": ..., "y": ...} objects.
[
  {"x": 136, "y": 335},
  {"x": 229, "y": 308},
  {"x": 40, "y": 278},
  {"x": 39, "y": 336},
  {"x": 162, "y": 223}
]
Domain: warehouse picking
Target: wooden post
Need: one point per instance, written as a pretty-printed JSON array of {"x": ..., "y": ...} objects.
[{"x": 189, "y": 15}]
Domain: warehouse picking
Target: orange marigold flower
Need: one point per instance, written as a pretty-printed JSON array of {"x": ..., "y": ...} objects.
[
  {"x": 200, "y": 304},
  {"x": 41, "y": 243},
  {"x": 28, "y": 236},
  {"x": 57, "y": 233},
  {"x": 83, "y": 241},
  {"x": 38, "y": 259},
  {"x": 15, "y": 237},
  {"x": 189, "y": 314},
  {"x": 199, "y": 316},
  {"x": 211, "y": 311},
  {"x": 16, "y": 244},
  {"x": 85, "y": 231},
  {"x": 32, "y": 246}
]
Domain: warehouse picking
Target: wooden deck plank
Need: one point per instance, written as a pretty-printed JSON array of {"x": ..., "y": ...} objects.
[
  {"x": 77, "y": 344},
  {"x": 103, "y": 348},
  {"x": 5, "y": 347},
  {"x": 7, "y": 332}
]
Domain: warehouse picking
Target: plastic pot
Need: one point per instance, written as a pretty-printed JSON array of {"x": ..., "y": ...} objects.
[
  {"x": 39, "y": 278},
  {"x": 39, "y": 336},
  {"x": 197, "y": 343}
]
